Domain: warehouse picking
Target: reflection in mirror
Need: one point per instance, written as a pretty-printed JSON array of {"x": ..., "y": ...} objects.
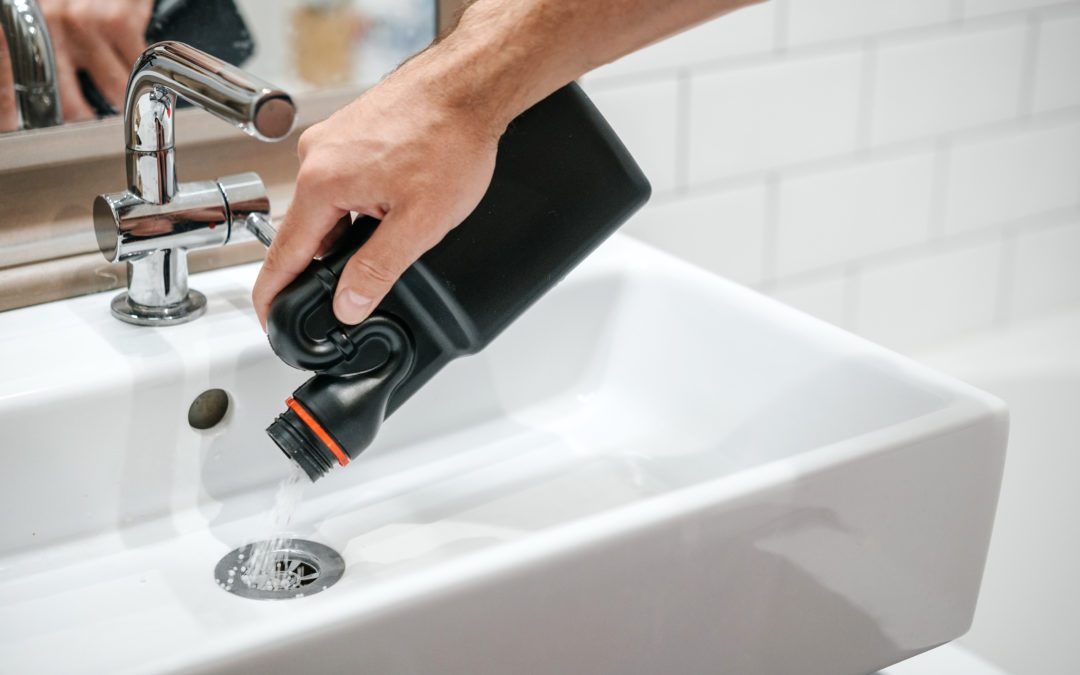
[{"x": 302, "y": 46}]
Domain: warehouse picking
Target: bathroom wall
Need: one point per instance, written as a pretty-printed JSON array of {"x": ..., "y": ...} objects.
[{"x": 907, "y": 169}]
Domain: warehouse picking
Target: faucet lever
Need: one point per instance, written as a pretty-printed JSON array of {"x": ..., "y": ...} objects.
[
  {"x": 156, "y": 221},
  {"x": 260, "y": 227}
]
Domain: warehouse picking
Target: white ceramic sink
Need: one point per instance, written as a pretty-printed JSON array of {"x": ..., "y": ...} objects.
[{"x": 653, "y": 471}]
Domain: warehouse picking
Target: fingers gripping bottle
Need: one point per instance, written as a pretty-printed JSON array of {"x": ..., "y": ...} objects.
[{"x": 562, "y": 183}]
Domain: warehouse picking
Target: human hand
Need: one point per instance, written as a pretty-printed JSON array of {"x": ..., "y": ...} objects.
[
  {"x": 9, "y": 115},
  {"x": 102, "y": 37},
  {"x": 404, "y": 152}
]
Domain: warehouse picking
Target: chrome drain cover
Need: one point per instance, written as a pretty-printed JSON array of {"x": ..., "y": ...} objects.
[{"x": 294, "y": 568}]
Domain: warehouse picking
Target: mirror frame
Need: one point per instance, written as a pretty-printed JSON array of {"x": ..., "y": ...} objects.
[{"x": 95, "y": 139}]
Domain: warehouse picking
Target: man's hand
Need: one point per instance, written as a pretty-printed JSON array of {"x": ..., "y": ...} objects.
[
  {"x": 102, "y": 37},
  {"x": 404, "y": 152},
  {"x": 9, "y": 114},
  {"x": 418, "y": 150}
]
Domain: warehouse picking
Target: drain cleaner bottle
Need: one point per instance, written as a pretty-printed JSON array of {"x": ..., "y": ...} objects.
[{"x": 563, "y": 182}]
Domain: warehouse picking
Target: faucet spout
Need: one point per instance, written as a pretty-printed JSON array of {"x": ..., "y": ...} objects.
[
  {"x": 170, "y": 69},
  {"x": 33, "y": 65},
  {"x": 156, "y": 221}
]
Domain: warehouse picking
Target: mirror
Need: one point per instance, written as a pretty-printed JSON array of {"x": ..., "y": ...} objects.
[{"x": 303, "y": 46}]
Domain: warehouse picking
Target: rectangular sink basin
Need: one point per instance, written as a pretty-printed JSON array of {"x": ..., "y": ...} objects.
[{"x": 653, "y": 471}]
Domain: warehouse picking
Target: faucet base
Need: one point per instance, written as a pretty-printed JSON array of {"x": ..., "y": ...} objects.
[{"x": 190, "y": 308}]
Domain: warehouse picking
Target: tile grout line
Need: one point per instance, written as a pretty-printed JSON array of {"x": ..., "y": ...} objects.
[
  {"x": 1003, "y": 308},
  {"x": 867, "y": 93},
  {"x": 1025, "y": 104},
  {"x": 682, "y": 131},
  {"x": 784, "y": 54},
  {"x": 966, "y": 239},
  {"x": 937, "y": 218},
  {"x": 853, "y": 275},
  {"x": 770, "y": 234},
  {"x": 957, "y": 11},
  {"x": 897, "y": 149},
  {"x": 780, "y": 28}
]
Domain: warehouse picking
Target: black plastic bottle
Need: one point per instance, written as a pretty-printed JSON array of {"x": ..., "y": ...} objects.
[{"x": 563, "y": 182}]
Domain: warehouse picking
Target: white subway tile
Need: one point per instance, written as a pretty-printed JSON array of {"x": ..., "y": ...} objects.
[
  {"x": 919, "y": 302},
  {"x": 1057, "y": 78},
  {"x": 745, "y": 32},
  {"x": 824, "y": 298},
  {"x": 645, "y": 117},
  {"x": 842, "y": 215},
  {"x": 1013, "y": 176},
  {"x": 931, "y": 86},
  {"x": 721, "y": 232},
  {"x": 973, "y": 8},
  {"x": 811, "y": 21},
  {"x": 771, "y": 115},
  {"x": 1046, "y": 273}
]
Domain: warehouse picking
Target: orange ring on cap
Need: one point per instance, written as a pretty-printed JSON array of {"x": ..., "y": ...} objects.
[{"x": 315, "y": 427}]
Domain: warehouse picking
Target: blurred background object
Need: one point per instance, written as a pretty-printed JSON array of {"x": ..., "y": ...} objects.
[
  {"x": 335, "y": 44},
  {"x": 323, "y": 53},
  {"x": 307, "y": 45},
  {"x": 322, "y": 41}
]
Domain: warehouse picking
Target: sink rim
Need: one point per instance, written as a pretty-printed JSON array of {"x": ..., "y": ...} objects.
[{"x": 965, "y": 408}]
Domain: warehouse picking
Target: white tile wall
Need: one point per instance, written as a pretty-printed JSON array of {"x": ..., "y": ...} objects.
[
  {"x": 721, "y": 232},
  {"x": 920, "y": 301},
  {"x": 929, "y": 86},
  {"x": 773, "y": 115},
  {"x": 828, "y": 217},
  {"x": 893, "y": 166},
  {"x": 1046, "y": 270},
  {"x": 1014, "y": 175},
  {"x": 974, "y": 8},
  {"x": 811, "y": 21},
  {"x": 907, "y": 169},
  {"x": 748, "y": 31},
  {"x": 645, "y": 117},
  {"x": 1057, "y": 84},
  {"x": 824, "y": 297}
]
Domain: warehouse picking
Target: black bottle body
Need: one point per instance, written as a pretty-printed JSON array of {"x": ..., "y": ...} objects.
[{"x": 563, "y": 182}]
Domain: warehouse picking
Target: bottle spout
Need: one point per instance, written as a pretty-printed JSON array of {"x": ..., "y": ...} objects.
[{"x": 331, "y": 419}]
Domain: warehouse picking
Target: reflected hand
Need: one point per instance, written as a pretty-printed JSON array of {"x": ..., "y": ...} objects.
[
  {"x": 403, "y": 152},
  {"x": 102, "y": 37},
  {"x": 9, "y": 116}
]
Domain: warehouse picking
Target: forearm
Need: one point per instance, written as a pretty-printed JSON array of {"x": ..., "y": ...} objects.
[
  {"x": 418, "y": 150},
  {"x": 505, "y": 55}
]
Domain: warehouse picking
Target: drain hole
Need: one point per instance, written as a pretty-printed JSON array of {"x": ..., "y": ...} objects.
[
  {"x": 285, "y": 573},
  {"x": 294, "y": 568},
  {"x": 208, "y": 409}
]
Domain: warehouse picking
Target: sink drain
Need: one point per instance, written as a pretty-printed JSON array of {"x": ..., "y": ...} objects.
[{"x": 296, "y": 567}]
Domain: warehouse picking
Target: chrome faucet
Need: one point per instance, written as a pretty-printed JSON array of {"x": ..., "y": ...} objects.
[
  {"x": 33, "y": 65},
  {"x": 156, "y": 221}
]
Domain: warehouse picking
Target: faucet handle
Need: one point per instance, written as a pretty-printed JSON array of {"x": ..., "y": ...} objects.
[
  {"x": 249, "y": 208},
  {"x": 259, "y": 226},
  {"x": 202, "y": 214},
  {"x": 154, "y": 240}
]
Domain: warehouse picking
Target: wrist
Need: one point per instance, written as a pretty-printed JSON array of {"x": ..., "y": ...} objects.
[
  {"x": 489, "y": 69},
  {"x": 459, "y": 77}
]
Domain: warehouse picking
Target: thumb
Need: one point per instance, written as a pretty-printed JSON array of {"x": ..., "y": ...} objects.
[{"x": 368, "y": 276}]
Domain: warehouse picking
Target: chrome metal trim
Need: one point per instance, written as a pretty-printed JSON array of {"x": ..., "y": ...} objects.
[
  {"x": 156, "y": 221},
  {"x": 33, "y": 64},
  {"x": 325, "y": 564}
]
